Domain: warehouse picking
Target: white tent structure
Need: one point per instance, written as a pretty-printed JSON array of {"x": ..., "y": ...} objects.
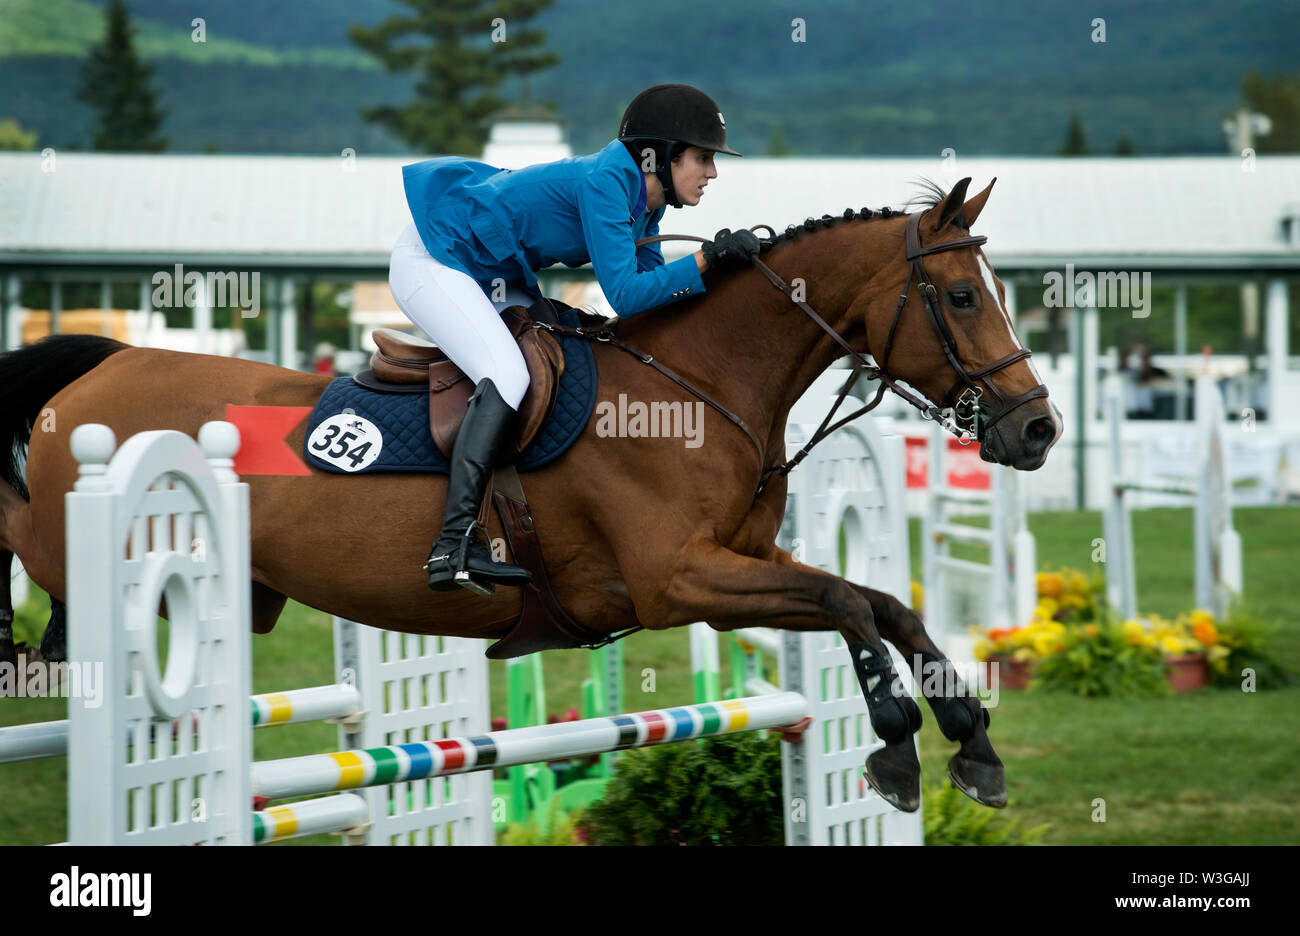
[{"x": 100, "y": 218}]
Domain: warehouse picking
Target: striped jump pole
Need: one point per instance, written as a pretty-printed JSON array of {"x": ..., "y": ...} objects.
[
  {"x": 349, "y": 770},
  {"x": 311, "y": 817},
  {"x": 316, "y": 703}
]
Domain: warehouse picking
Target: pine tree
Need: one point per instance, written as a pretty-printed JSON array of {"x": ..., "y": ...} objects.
[
  {"x": 1278, "y": 97},
  {"x": 468, "y": 48},
  {"x": 1124, "y": 145},
  {"x": 116, "y": 84},
  {"x": 14, "y": 137},
  {"x": 1075, "y": 144}
]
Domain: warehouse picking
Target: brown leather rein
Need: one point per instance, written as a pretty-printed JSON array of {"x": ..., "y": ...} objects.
[{"x": 962, "y": 401}]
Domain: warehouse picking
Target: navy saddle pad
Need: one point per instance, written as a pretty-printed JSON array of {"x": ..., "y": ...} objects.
[{"x": 354, "y": 430}]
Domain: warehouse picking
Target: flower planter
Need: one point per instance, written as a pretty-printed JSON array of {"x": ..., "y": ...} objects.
[
  {"x": 1011, "y": 673},
  {"x": 1188, "y": 672}
]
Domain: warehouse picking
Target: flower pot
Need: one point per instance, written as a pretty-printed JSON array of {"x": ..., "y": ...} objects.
[
  {"x": 1188, "y": 672},
  {"x": 1011, "y": 673}
]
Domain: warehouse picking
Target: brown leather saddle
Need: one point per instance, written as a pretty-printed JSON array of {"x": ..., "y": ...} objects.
[{"x": 404, "y": 364}]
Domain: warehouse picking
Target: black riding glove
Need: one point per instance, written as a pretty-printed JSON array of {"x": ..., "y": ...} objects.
[{"x": 729, "y": 248}]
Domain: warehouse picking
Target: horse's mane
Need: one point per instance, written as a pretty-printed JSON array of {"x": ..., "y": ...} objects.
[{"x": 930, "y": 195}]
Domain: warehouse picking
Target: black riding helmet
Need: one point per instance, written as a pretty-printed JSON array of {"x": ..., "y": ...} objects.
[{"x": 672, "y": 117}]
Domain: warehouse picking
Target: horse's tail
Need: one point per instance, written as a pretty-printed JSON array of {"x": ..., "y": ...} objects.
[{"x": 30, "y": 377}]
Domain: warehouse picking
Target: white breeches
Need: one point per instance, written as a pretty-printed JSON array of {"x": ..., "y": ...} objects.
[{"x": 457, "y": 316}]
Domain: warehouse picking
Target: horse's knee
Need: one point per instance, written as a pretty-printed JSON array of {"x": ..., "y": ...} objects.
[{"x": 852, "y": 612}]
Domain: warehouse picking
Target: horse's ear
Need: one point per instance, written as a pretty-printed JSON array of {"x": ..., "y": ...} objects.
[
  {"x": 972, "y": 208},
  {"x": 952, "y": 206}
]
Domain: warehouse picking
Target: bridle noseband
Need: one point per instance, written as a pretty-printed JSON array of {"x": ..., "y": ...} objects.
[{"x": 963, "y": 399}]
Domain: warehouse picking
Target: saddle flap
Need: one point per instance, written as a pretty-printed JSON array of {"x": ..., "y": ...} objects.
[
  {"x": 449, "y": 390},
  {"x": 543, "y": 623}
]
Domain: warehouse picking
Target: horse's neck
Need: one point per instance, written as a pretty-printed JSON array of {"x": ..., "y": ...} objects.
[{"x": 747, "y": 344}]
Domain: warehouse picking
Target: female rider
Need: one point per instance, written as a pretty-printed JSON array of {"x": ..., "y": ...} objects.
[{"x": 479, "y": 233}]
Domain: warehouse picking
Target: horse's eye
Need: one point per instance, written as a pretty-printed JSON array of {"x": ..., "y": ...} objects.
[{"x": 962, "y": 298}]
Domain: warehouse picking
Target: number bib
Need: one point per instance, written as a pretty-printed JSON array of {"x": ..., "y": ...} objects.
[{"x": 347, "y": 441}]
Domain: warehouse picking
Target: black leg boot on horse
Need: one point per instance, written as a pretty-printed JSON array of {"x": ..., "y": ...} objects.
[
  {"x": 976, "y": 769},
  {"x": 894, "y": 771},
  {"x": 459, "y": 557}
]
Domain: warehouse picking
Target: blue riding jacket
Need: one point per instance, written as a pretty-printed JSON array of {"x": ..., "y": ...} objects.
[{"x": 494, "y": 223}]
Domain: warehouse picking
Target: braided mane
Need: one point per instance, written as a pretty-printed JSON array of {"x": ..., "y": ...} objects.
[{"x": 931, "y": 195}]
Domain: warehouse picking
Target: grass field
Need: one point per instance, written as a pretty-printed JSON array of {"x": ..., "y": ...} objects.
[{"x": 1214, "y": 767}]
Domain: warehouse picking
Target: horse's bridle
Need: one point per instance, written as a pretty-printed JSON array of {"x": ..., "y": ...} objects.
[
  {"x": 959, "y": 411},
  {"x": 966, "y": 406}
]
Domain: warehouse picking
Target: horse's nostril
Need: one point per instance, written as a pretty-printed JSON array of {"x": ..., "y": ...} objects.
[{"x": 1039, "y": 432}]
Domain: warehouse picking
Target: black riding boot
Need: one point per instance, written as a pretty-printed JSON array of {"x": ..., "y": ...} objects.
[{"x": 460, "y": 557}]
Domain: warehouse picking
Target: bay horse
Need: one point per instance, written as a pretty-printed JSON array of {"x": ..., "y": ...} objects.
[{"x": 635, "y": 531}]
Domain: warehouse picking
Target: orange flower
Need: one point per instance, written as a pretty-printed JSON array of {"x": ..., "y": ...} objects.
[
  {"x": 1051, "y": 584},
  {"x": 1205, "y": 633},
  {"x": 1090, "y": 630}
]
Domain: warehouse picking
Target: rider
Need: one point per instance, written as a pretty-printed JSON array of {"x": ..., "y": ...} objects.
[{"x": 479, "y": 233}]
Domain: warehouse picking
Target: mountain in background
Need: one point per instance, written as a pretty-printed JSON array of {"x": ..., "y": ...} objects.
[{"x": 899, "y": 79}]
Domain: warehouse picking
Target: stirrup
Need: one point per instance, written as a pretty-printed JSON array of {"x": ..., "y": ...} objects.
[{"x": 460, "y": 574}]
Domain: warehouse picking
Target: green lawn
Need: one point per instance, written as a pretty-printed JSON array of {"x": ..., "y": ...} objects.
[{"x": 1215, "y": 767}]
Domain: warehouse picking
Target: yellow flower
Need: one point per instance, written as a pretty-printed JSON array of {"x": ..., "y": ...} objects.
[
  {"x": 1024, "y": 653},
  {"x": 1077, "y": 583},
  {"x": 1046, "y": 643},
  {"x": 1171, "y": 645},
  {"x": 1047, "y": 607},
  {"x": 1218, "y": 657},
  {"x": 918, "y": 597},
  {"x": 1134, "y": 632},
  {"x": 983, "y": 649}
]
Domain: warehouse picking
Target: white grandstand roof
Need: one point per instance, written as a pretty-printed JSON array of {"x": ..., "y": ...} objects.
[{"x": 315, "y": 213}]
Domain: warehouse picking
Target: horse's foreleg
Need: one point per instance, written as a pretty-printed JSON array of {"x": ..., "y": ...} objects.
[
  {"x": 975, "y": 769},
  {"x": 54, "y": 642},
  {"x": 730, "y": 590}
]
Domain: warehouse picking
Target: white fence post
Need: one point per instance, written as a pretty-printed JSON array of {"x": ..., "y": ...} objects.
[
  {"x": 162, "y": 757},
  {"x": 416, "y": 688}
]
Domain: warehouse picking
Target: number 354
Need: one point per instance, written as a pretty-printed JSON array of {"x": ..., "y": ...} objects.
[{"x": 340, "y": 445}]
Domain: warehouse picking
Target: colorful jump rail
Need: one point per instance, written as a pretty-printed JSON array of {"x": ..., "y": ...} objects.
[
  {"x": 293, "y": 707},
  {"x": 349, "y": 770}
]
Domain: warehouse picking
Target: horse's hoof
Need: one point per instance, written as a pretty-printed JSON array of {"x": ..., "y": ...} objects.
[
  {"x": 895, "y": 776},
  {"x": 985, "y": 783}
]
